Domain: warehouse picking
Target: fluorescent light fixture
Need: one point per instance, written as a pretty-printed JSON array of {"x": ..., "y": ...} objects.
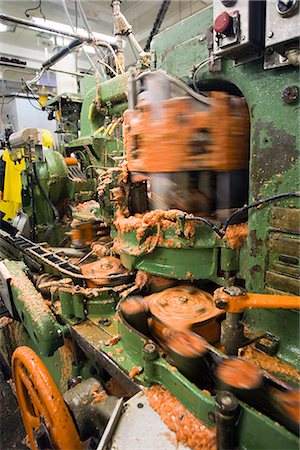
[
  {"x": 67, "y": 28},
  {"x": 3, "y": 27}
]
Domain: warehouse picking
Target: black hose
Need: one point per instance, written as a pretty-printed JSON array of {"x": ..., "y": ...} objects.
[
  {"x": 222, "y": 230},
  {"x": 157, "y": 23},
  {"x": 258, "y": 203},
  {"x": 47, "y": 199},
  {"x": 62, "y": 53},
  {"x": 203, "y": 220}
]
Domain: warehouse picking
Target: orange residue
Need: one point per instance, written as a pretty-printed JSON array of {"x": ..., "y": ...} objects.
[
  {"x": 239, "y": 373},
  {"x": 236, "y": 234},
  {"x": 270, "y": 363},
  {"x": 114, "y": 340},
  {"x": 99, "y": 397},
  {"x": 188, "y": 429},
  {"x": 134, "y": 372},
  {"x": 95, "y": 388},
  {"x": 151, "y": 219},
  {"x": 141, "y": 279}
]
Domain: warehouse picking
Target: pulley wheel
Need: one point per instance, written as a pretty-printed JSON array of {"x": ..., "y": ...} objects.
[
  {"x": 186, "y": 308},
  {"x": 107, "y": 271},
  {"x": 46, "y": 418}
]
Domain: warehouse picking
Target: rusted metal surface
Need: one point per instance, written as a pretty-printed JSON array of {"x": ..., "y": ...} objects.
[
  {"x": 216, "y": 139},
  {"x": 287, "y": 219},
  {"x": 41, "y": 403},
  {"x": 267, "y": 140},
  {"x": 283, "y": 282}
]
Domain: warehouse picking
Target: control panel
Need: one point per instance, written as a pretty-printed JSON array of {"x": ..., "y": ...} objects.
[
  {"x": 238, "y": 28},
  {"x": 282, "y": 32}
]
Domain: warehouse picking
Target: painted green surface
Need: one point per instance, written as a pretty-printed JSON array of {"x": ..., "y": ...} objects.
[
  {"x": 274, "y": 146},
  {"x": 274, "y": 140},
  {"x": 37, "y": 318}
]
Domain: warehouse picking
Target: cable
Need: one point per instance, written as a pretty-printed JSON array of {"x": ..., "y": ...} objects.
[
  {"x": 206, "y": 221},
  {"x": 27, "y": 90},
  {"x": 202, "y": 64},
  {"x": 34, "y": 9},
  {"x": 258, "y": 203},
  {"x": 48, "y": 201},
  {"x": 222, "y": 230},
  {"x": 106, "y": 44},
  {"x": 73, "y": 29},
  {"x": 157, "y": 23},
  {"x": 177, "y": 82},
  {"x": 107, "y": 66}
]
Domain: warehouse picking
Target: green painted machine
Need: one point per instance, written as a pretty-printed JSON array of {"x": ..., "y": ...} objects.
[{"x": 176, "y": 289}]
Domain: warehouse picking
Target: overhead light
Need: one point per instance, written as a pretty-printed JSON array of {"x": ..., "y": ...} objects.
[
  {"x": 3, "y": 27},
  {"x": 60, "y": 27}
]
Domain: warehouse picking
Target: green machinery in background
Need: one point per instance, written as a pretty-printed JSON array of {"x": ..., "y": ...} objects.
[{"x": 179, "y": 282}]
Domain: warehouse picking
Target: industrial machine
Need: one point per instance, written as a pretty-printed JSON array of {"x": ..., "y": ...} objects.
[{"x": 170, "y": 317}]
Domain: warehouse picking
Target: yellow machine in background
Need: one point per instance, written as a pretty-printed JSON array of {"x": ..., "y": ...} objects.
[{"x": 10, "y": 196}]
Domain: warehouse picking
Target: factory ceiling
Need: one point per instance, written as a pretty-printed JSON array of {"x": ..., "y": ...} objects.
[{"x": 34, "y": 46}]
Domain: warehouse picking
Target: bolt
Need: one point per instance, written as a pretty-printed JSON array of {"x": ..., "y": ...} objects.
[
  {"x": 290, "y": 94},
  {"x": 150, "y": 352},
  {"x": 270, "y": 34},
  {"x": 149, "y": 348},
  {"x": 226, "y": 402},
  {"x": 243, "y": 37},
  {"x": 140, "y": 405},
  {"x": 104, "y": 322}
]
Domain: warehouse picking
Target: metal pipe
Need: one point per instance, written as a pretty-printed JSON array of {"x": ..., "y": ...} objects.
[
  {"x": 71, "y": 24},
  {"x": 28, "y": 23}
]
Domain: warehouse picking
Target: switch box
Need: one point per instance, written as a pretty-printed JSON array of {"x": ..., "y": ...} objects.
[
  {"x": 238, "y": 28},
  {"x": 282, "y": 31},
  {"x": 282, "y": 24}
]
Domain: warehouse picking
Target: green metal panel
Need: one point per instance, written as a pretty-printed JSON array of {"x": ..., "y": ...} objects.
[{"x": 37, "y": 318}]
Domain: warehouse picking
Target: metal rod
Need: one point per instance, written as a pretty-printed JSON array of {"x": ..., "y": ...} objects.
[
  {"x": 77, "y": 74},
  {"x": 28, "y": 23}
]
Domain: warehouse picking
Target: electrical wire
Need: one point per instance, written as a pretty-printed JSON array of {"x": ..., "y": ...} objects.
[
  {"x": 177, "y": 82},
  {"x": 221, "y": 231},
  {"x": 117, "y": 63},
  {"x": 29, "y": 90},
  {"x": 73, "y": 29},
  {"x": 203, "y": 220},
  {"x": 258, "y": 203},
  {"x": 200, "y": 66},
  {"x": 34, "y": 9},
  {"x": 107, "y": 66}
]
